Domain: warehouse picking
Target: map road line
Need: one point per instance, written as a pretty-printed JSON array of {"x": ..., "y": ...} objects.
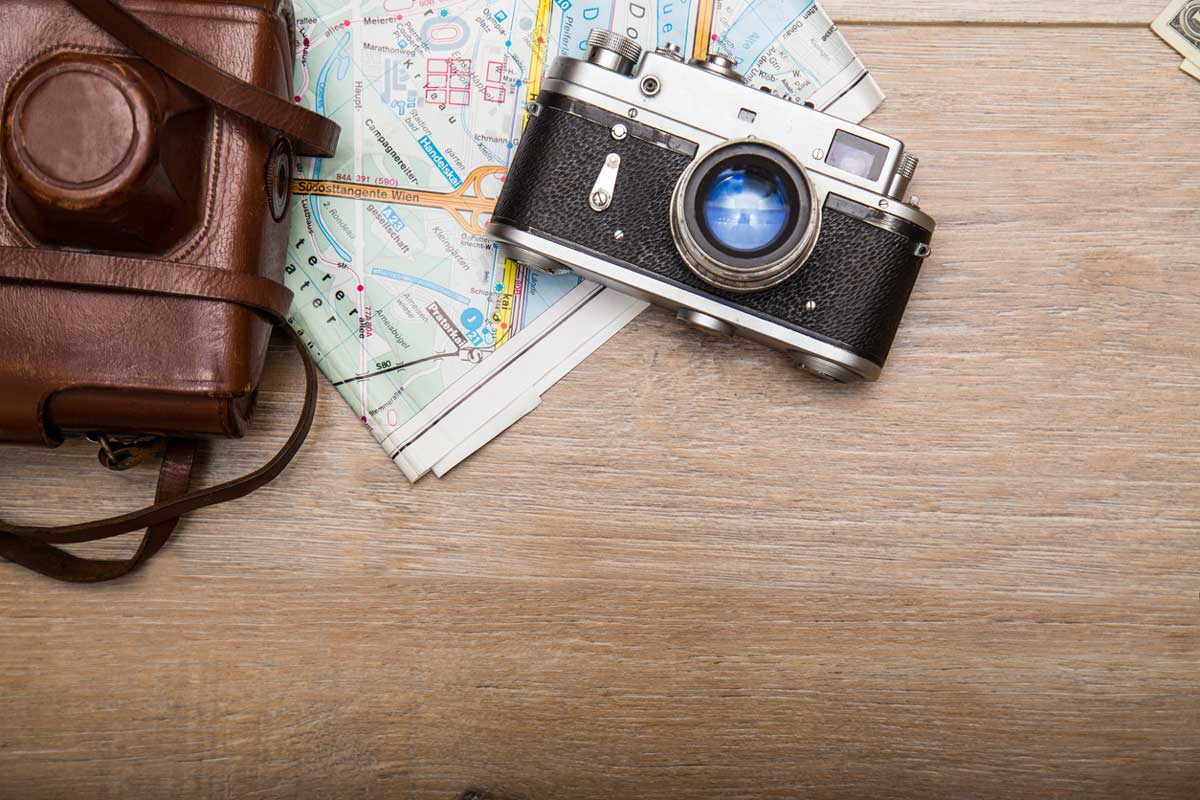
[{"x": 464, "y": 208}]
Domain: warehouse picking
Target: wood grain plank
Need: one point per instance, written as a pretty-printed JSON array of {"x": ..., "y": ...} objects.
[
  {"x": 1007, "y": 12},
  {"x": 693, "y": 572}
]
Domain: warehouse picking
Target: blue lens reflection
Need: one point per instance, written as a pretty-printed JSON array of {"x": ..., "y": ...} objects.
[{"x": 746, "y": 209}]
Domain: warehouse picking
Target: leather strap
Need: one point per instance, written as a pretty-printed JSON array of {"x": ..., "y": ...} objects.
[
  {"x": 313, "y": 134},
  {"x": 31, "y": 545},
  {"x": 75, "y": 269},
  {"x": 54, "y": 562}
]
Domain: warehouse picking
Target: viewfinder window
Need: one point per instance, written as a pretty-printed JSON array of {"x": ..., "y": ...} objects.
[{"x": 857, "y": 155}]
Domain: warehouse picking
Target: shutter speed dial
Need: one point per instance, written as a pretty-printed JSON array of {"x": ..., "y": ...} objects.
[{"x": 722, "y": 65}]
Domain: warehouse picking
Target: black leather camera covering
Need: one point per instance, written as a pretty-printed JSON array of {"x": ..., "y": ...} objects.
[{"x": 859, "y": 275}]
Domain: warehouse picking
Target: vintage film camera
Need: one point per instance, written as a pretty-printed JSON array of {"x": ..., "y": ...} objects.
[{"x": 746, "y": 213}]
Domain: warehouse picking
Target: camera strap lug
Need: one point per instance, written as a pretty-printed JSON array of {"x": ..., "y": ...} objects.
[{"x": 122, "y": 453}]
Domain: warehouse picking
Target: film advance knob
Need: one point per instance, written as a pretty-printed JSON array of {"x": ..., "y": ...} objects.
[{"x": 613, "y": 51}]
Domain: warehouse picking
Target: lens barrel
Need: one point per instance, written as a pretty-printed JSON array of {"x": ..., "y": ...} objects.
[{"x": 745, "y": 216}]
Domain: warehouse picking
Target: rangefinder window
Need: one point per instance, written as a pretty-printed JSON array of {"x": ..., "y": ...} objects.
[{"x": 857, "y": 155}]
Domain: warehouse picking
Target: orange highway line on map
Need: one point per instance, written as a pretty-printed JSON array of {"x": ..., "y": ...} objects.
[{"x": 464, "y": 208}]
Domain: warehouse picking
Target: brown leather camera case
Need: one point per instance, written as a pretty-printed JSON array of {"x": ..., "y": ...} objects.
[{"x": 147, "y": 153}]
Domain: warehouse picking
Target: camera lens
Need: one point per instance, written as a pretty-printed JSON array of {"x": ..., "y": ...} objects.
[
  {"x": 745, "y": 207},
  {"x": 743, "y": 216}
]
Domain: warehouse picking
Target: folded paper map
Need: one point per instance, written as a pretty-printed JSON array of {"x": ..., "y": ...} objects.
[{"x": 436, "y": 342}]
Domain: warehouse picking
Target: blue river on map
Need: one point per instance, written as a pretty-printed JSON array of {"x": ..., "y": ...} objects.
[
  {"x": 442, "y": 290},
  {"x": 343, "y": 63}
]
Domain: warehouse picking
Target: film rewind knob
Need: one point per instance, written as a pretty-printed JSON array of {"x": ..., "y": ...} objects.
[{"x": 613, "y": 51}]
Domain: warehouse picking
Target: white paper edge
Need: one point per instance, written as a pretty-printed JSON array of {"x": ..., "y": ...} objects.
[
  {"x": 526, "y": 404},
  {"x": 552, "y": 349},
  {"x": 632, "y": 307},
  {"x": 860, "y": 102},
  {"x": 423, "y": 422},
  {"x": 490, "y": 430}
]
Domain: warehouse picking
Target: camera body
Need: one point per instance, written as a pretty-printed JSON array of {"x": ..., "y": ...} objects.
[{"x": 745, "y": 212}]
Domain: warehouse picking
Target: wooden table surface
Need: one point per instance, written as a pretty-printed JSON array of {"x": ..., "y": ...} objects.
[{"x": 695, "y": 573}]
